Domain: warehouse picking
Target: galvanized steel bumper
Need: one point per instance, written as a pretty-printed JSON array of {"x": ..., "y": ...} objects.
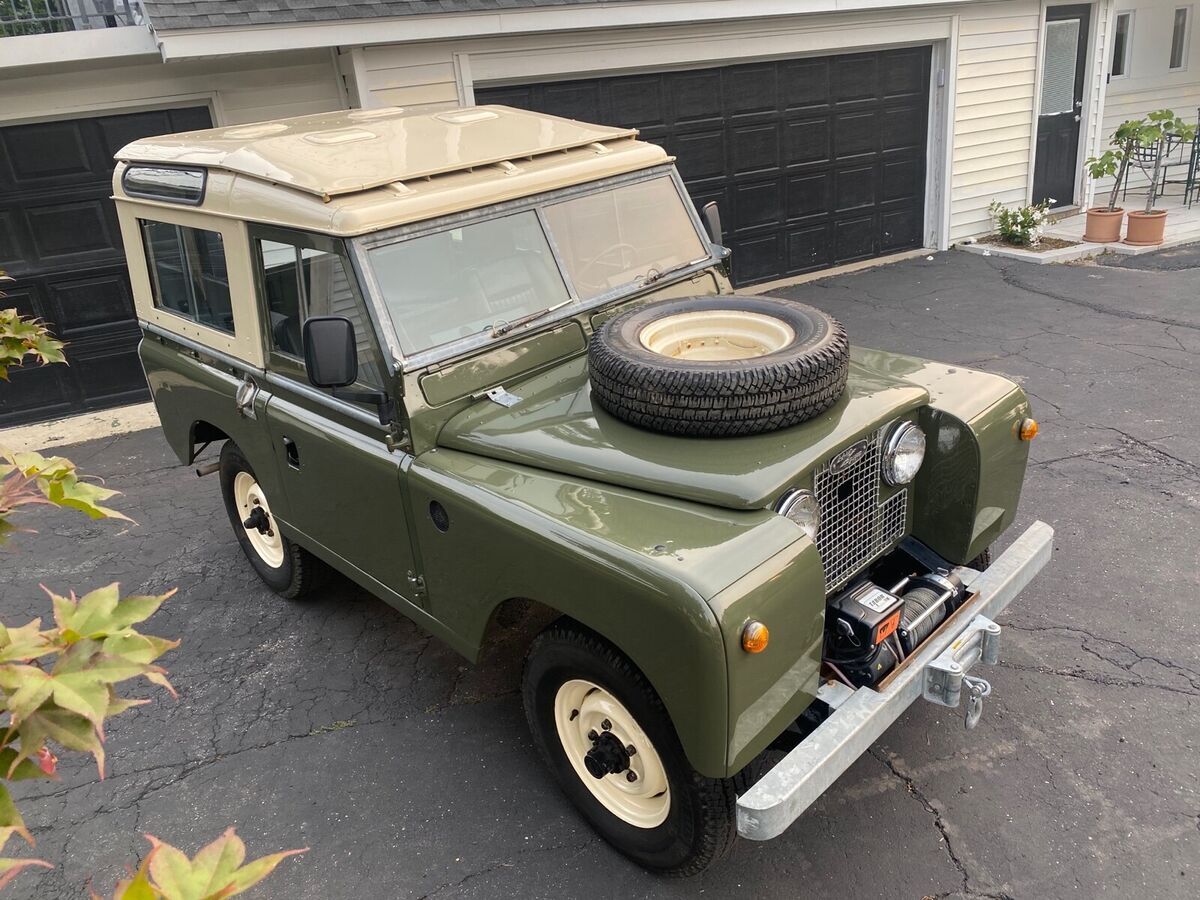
[{"x": 861, "y": 716}]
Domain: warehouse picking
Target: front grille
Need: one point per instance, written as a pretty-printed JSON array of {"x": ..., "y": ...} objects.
[{"x": 855, "y": 526}]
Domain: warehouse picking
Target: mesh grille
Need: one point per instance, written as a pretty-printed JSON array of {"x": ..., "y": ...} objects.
[{"x": 855, "y": 526}]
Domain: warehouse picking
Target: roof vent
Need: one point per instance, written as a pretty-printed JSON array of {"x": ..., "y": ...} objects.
[
  {"x": 381, "y": 112},
  {"x": 340, "y": 136},
  {"x": 249, "y": 132},
  {"x": 467, "y": 116}
]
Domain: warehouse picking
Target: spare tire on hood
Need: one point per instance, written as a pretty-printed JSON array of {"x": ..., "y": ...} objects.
[{"x": 718, "y": 366}]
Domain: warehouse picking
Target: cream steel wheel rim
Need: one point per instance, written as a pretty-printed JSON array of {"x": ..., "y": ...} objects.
[
  {"x": 249, "y": 496},
  {"x": 582, "y": 708},
  {"x": 716, "y": 336}
]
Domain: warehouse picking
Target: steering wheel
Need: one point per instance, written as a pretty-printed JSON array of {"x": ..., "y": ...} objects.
[{"x": 627, "y": 251}]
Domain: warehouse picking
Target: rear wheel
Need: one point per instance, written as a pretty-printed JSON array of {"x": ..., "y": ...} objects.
[
  {"x": 286, "y": 567},
  {"x": 607, "y": 738}
]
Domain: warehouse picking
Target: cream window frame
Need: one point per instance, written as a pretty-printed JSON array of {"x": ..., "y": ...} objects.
[{"x": 246, "y": 343}]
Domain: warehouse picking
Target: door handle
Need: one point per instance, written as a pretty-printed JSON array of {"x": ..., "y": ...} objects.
[
  {"x": 292, "y": 452},
  {"x": 1077, "y": 117}
]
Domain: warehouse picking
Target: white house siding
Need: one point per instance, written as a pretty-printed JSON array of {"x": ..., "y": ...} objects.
[
  {"x": 1150, "y": 84},
  {"x": 994, "y": 111},
  {"x": 248, "y": 89},
  {"x": 997, "y": 45}
]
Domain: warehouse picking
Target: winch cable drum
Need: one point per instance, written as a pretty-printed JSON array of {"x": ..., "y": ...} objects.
[{"x": 926, "y": 606}]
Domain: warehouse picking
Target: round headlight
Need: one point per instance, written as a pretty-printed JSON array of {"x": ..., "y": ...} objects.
[
  {"x": 904, "y": 455},
  {"x": 802, "y": 508}
]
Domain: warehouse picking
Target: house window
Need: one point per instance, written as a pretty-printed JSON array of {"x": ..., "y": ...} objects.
[
  {"x": 1122, "y": 45},
  {"x": 1180, "y": 36},
  {"x": 188, "y": 274}
]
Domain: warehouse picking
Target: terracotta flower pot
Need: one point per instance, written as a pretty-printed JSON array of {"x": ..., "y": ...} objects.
[
  {"x": 1103, "y": 225},
  {"x": 1146, "y": 228}
]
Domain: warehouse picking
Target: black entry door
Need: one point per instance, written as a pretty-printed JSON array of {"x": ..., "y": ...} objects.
[
  {"x": 60, "y": 242},
  {"x": 815, "y": 162},
  {"x": 1055, "y": 172}
]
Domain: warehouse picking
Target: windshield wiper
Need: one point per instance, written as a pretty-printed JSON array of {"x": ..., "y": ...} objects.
[
  {"x": 506, "y": 327},
  {"x": 654, "y": 275}
]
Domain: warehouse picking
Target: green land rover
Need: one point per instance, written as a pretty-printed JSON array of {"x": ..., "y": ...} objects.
[{"x": 485, "y": 360}]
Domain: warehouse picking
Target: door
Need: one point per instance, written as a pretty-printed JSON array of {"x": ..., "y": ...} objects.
[
  {"x": 343, "y": 486},
  {"x": 815, "y": 162},
  {"x": 1056, "y": 161},
  {"x": 59, "y": 239}
]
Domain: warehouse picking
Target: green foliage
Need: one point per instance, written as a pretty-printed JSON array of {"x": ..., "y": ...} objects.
[
  {"x": 30, "y": 478},
  {"x": 1021, "y": 226},
  {"x": 215, "y": 872},
  {"x": 23, "y": 337}
]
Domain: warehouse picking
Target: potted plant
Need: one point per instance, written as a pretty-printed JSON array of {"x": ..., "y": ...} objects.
[
  {"x": 1147, "y": 227},
  {"x": 1104, "y": 222}
]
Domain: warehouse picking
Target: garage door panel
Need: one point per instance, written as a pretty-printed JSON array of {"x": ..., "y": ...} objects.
[
  {"x": 807, "y": 141},
  {"x": 855, "y": 188},
  {"x": 60, "y": 231},
  {"x": 82, "y": 305},
  {"x": 641, "y": 100},
  {"x": 60, "y": 239},
  {"x": 902, "y": 179},
  {"x": 759, "y": 258},
  {"x": 855, "y": 78},
  {"x": 750, "y": 89},
  {"x": 805, "y": 84},
  {"x": 696, "y": 97},
  {"x": 754, "y": 148},
  {"x": 809, "y": 196},
  {"x": 757, "y": 204},
  {"x": 810, "y": 248},
  {"x": 806, "y": 156},
  {"x": 899, "y": 229},
  {"x": 700, "y": 154},
  {"x": 855, "y": 239},
  {"x": 45, "y": 152},
  {"x": 904, "y": 74},
  {"x": 855, "y": 134}
]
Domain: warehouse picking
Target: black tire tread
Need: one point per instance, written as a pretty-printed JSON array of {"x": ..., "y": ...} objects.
[
  {"x": 743, "y": 399},
  {"x": 715, "y": 798}
]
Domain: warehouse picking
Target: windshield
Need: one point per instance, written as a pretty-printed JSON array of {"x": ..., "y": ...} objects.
[
  {"x": 622, "y": 235},
  {"x": 442, "y": 287}
]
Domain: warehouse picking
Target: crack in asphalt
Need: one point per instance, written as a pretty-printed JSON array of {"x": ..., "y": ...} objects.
[
  {"x": 939, "y": 822},
  {"x": 506, "y": 864}
]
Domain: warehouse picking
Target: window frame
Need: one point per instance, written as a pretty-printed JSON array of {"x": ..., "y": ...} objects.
[
  {"x": 281, "y": 362},
  {"x": 1185, "y": 43},
  {"x": 1127, "y": 57},
  {"x": 156, "y": 294},
  {"x": 472, "y": 344}
]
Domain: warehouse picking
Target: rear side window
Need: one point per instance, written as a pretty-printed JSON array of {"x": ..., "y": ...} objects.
[
  {"x": 188, "y": 273},
  {"x": 300, "y": 282}
]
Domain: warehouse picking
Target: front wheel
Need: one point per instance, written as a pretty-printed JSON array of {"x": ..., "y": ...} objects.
[{"x": 607, "y": 738}]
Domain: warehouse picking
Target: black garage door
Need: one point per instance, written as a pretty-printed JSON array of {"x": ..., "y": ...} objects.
[
  {"x": 814, "y": 162},
  {"x": 59, "y": 240}
]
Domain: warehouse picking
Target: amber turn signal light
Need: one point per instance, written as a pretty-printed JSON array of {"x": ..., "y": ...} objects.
[
  {"x": 1028, "y": 429},
  {"x": 755, "y": 637}
]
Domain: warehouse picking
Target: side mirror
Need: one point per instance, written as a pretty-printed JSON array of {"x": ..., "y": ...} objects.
[
  {"x": 712, "y": 222},
  {"x": 330, "y": 351}
]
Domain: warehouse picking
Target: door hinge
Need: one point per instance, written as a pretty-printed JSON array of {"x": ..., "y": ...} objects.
[
  {"x": 499, "y": 395},
  {"x": 417, "y": 582}
]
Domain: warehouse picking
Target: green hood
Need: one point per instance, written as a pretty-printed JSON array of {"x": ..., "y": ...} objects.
[{"x": 556, "y": 427}]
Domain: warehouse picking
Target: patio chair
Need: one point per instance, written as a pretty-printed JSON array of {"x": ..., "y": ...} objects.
[{"x": 1182, "y": 156}]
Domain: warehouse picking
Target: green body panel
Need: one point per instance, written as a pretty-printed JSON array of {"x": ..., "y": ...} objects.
[
  {"x": 768, "y": 690},
  {"x": 557, "y": 427},
  {"x": 518, "y": 359},
  {"x": 634, "y": 567}
]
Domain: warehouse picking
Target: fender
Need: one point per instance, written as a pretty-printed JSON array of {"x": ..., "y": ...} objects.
[{"x": 636, "y": 568}]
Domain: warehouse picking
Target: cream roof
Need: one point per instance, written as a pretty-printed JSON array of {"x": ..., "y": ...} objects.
[{"x": 345, "y": 152}]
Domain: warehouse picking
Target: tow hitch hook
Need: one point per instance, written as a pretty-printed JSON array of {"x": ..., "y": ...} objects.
[{"x": 979, "y": 688}]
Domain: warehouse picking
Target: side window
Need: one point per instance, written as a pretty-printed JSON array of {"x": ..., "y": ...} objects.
[
  {"x": 299, "y": 282},
  {"x": 188, "y": 273}
]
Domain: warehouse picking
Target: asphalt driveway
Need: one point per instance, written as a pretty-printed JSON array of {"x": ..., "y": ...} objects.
[{"x": 338, "y": 725}]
